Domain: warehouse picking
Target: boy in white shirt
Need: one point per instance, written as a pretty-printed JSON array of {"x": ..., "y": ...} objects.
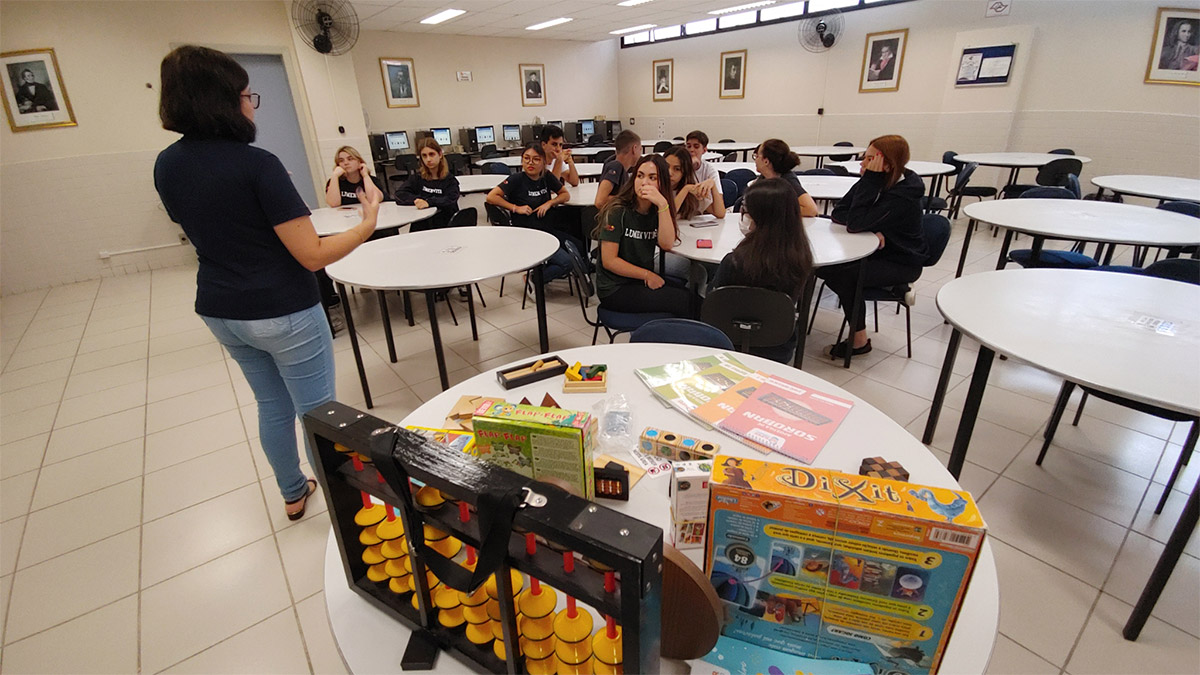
[{"x": 559, "y": 162}]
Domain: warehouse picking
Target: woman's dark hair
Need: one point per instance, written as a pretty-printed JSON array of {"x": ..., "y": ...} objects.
[
  {"x": 691, "y": 205},
  {"x": 201, "y": 95},
  {"x": 895, "y": 154},
  {"x": 627, "y": 199},
  {"x": 536, "y": 148},
  {"x": 778, "y": 155},
  {"x": 775, "y": 254}
]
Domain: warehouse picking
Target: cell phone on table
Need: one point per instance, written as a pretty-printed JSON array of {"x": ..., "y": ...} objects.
[{"x": 704, "y": 243}]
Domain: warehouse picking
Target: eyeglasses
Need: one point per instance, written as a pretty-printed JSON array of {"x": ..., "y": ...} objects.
[
  {"x": 255, "y": 99},
  {"x": 754, "y": 155}
]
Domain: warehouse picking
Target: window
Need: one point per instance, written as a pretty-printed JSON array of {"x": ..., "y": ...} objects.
[
  {"x": 741, "y": 19},
  {"x": 668, "y": 32},
  {"x": 636, "y": 38},
  {"x": 781, "y": 12},
  {"x": 822, "y": 5},
  {"x": 702, "y": 26}
]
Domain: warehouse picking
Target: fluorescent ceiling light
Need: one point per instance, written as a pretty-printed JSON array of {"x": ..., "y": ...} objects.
[
  {"x": 633, "y": 3},
  {"x": 633, "y": 29},
  {"x": 739, "y": 8},
  {"x": 445, "y": 15},
  {"x": 547, "y": 24}
]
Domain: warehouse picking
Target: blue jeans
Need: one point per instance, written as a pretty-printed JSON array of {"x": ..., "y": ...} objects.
[{"x": 288, "y": 361}]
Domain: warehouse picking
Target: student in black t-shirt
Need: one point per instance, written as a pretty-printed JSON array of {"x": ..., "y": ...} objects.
[
  {"x": 432, "y": 186},
  {"x": 528, "y": 196},
  {"x": 352, "y": 175},
  {"x": 257, "y": 250},
  {"x": 616, "y": 170},
  {"x": 632, "y": 225},
  {"x": 774, "y": 159}
]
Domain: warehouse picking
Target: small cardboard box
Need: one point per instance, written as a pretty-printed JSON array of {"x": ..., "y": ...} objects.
[
  {"x": 539, "y": 442},
  {"x": 838, "y": 566},
  {"x": 689, "y": 502}
]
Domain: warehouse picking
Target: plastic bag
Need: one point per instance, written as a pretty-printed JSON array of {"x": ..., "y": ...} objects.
[{"x": 615, "y": 419}]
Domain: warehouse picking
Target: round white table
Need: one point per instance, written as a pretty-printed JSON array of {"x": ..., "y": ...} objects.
[
  {"x": 329, "y": 221},
  {"x": 372, "y": 642},
  {"x": 726, "y": 167},
  {"x": 1094, "y": 328},
  {"x": 1165, "y": 188},
  {"x": 584, "y": 169},
  {"x": 1015, "y": 161},
  {"x": 583, "y": 194},
  {"x": 439, "y": 259},
  {"x": 591, "y": 150},
  {"x": 823, "y": 151},
  {"x": 483, "y": 182},
  {"x": 1094, "y": 221},
  {"x": 734, "y": 146}
]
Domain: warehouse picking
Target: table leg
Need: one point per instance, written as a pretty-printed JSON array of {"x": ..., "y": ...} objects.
[
  {"x": 962, "y": 257},
  {"x": 408, "y": 308},
  {"x": 933, "y": 190},
  {"x": 1012, "y": 175},
  {"x": 471, "y": 311},
  {"x": 802, "y": 338},
  {"x": 1166, "y": 564},
  {"x": 1002, "y": 260},
  {"x": 362, "y": 373},
  {"x": 387, "y": 326},
  {"x": 939, "y": 395},
  {"x": 539, "y": 295},
  {"x": 820, "y": 161},
  {"x": 859, "y": 306},
  {"x": 966, "y": 426},
  {"x": 431, "y": 304},
  {"x": 1035, "y": 251}
]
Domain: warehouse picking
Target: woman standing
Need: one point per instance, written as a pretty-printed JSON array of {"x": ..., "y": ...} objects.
[
  {"x": 432, "y": 186},
  {"x": 257, "y": 250},
  {"x": 887, "y": 202},
  {"x": 350, "y": 176},
  {"x": 774, "y": 159}
]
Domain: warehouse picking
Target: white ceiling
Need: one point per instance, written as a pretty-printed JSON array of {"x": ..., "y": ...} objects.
[{"x": 593, "y": 19}]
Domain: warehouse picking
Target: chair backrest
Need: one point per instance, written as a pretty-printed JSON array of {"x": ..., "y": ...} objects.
[
  {"x": 730, "y": 191},
  {"x": 587, "y": 219},
  {"x": 497, "y": 216},
  {"x": 727, "y": 140},
  {"x": 948, "y": 157},
  {"x": 937, "y": 234},
  {"x": 595, "y": 139},
  {"x": 467, "y": 217},
  {"x": 1062, "y": 151},
  {"x": 842, "y": 158},
  {"x": 729, "y": 157},
  {"x": 498, "y": 168},
  {"x": 681, "y": 332},
  {"x": 1048, "y": 193},
  {"x": 964, "y": 175},
  {"x": 741, "y": 177},
  {"x": 1055, "y": 173},
  {"x": 1186, "y": 208},
  {"x": 458, "y": 163},
  {"x": 680, "y": 138},
  {"x": 751, "y": 317},
  {"x": 663, "y": 146},
  {"x": 606, "y": 156},
  {"x": 583, "y": 280},
  {"x": 1073, "y": 185},
  {"x": 837, "y": 170},
  {"x": 488, "y": 151},
  {"x": 817, "y": 172},
  {"x": 1186, "y": 270},
  {"x": 406, "y": 163}
]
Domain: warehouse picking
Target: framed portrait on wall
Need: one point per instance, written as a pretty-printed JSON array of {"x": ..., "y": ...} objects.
[
  {"x": 733, "y": 74},
  {"x": 664, "y": 79},
  {"x": 34, "y": 95},
  {"x": 883, "y": 56},
  {"x": 399, "y": 82},
  {"x": 533, "y": 84},
  {"x": 1176, "y": 47}
]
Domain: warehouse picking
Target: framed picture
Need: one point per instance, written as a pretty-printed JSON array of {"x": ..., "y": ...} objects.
[
  {"x": 533, "y": 84},
  {"x": 883, "y": 56},
  {"x": 985, "y": 65},
  {"x": 733, "y": 74},
  {"x": 664, "y": 79},
  {"x": 34, "y": 95},
  {"x": 1176, "y": 47},
  {"x": 399, "y": 83}
]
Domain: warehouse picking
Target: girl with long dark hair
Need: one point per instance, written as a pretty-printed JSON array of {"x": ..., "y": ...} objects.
[
  {"x": 692, "y": 196},
  {"x": 774, "y": 159}
]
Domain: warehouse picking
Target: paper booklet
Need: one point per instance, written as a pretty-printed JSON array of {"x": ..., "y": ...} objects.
[
  {"x": 788, "y": 418},
  {"x": 722, "y": 406},
  {"x": 683, "y": 385}
]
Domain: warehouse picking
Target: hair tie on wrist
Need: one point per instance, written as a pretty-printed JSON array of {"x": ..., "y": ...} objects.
[{"x": 663, "y": 210}]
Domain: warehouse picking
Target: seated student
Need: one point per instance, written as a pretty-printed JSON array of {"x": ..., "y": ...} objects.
[
  {"x": 529, "y": 196},
  {"x": 887, "y": 202},
  {"x": 635, "y": 222},
  {"x": 774, "y": 159},
  {"x": 692, "y": 196},
  {"x": 431, "y": 186},
  {"x": 696, "y": 143},
  {"x": 559, "y": 162},
  {"x": 775, "y": 253},
  {"x": 616, "y": 170},
  {"x": 351, "y": 174}
]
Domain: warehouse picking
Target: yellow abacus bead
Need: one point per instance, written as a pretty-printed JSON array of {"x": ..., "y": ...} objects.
[
  {"x": 448, "y": 547},
  {"x": 377, "y": 573},
  {"x": 399, "y": 585},
  {"x": 493, "y": 609},
  {"x": 390, "y": 529},
  {"x": 607, "y": 650},
  {"x": 372, "y": 555},
  {"x": 543, "y": 666},
  {"x": 584, "y": 668},
  {"x": 573, "y": 629},
  {"x": 340, "y": 448},
  {"x": 479, "y": 634},
  {"x": 601, "y": 668},
  {"x": 538, "y": 649},
  {"x": 477, "y": 615},
  {"x": 537, "y": 606},
  {"x": 517, "y": 583},
  {"x": 368, "y": 537},
  {"x": 446, "y": 597},
  {"x": 370, "y": 516},
  {"x": 433, "y": 534},
  {"x": 474, "y": 599},
  {"x": 497, "y": 630},
  {"x": 498, "y": 649},
  {"x": 451, "y": 618},
  {"x": 391, "y": 549},
  {"x": 429, "y": 497},
  {"x": 536, "y": 629},
  {"x": 366, "y": 459},
  {"x": 573, "y": 653},
  {"x": 395, "y": 568}
]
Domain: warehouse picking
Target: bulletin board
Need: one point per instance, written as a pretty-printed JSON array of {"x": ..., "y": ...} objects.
[{"x": 985, "y": 65}]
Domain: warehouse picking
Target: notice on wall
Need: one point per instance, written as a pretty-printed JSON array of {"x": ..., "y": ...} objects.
[{"x": 985, "y": 65}]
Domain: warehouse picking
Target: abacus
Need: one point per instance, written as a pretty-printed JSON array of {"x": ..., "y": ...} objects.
[{"x": 383, "y": 483}]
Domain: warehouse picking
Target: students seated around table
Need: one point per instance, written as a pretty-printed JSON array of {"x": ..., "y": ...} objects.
[
  {"x": 559, "y": 162},
  {"x": 887, "y": 202},
  {"x": 432, "y": 186},
  {"x": 692, "y": 196},
  {"x": 528, "y": 196},
  {"x": 696, "y": 143},
  {"x": 616, "y": 170},
  {"x": 631, "y": 226},
  {"x": 774, "y": 159},
  {"x": 351, "y": 174},
  {"x": 775, "y": 253}
]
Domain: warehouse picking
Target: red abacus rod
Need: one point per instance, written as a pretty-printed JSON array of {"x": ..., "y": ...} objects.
[
  {"x": 366, "y": 499},
  {"x": 535, "y": 586},
  {"x": 358, "y": 465},
  {"x": 391, "y": 513},
  {"x": 530, "y": 544},
  {"x": 470, "y": 555},
  {"x": 568, "y": 562},
  {"x": 571, "y": 611},
  {"x": 611, "y": 623},
  {"x": 464, "y": 513},
  {"x": 610, "y": 582}
]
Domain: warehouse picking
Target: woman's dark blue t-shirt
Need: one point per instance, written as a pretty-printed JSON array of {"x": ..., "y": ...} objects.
[{"x": 229, "y": 196}]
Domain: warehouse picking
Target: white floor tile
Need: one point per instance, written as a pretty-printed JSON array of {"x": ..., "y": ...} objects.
[
  {"x": 272, "y": 646},
  {"x": 102, "y": 432},
  {"x": 12, "y": 379},
  {"x": 188, "y": 441},
  {"x": 102, "y": 379},
  {"x": 102, "y": 641},
  {"x": 111, "y": 356},
  {"x": 303, "y": 550},
  {"x": 64, "y": 527},
  {"x": 1113, "y": 444},
  {"x": 992, "y": 446},
  {"x": 1159, "y": 527},
  {"x": 190, "y": 407},
  {"x": 185, "y": 484},
  {"x": 173, "y": 362},
  {"x": 15, "y": 495},
  {"x": 1160, "y": 649},
  {"x": 1010, "y": 658},
  {"x": 315, "y": 510},
  {"x": 10, "y": 544},
  {"x": 1179, "y": 604},
  {"x": 87, "y": 473},
  {"x": 25, "y": 357},
  {"x": 318, "y": 637},
  {"x": 5, "y": 593},
  {"x": 29, "y": 423},
  {"x": 902, "y": 407},
  {"x": 100, "y": 404},
  {"x": 23, "y": 455}
]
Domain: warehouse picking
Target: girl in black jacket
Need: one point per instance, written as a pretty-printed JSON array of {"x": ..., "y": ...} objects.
[
  {"x": 433, "y": 186},
  {"x": 886, "y": 201}
]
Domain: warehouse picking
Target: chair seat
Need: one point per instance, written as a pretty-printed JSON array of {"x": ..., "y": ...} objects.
[
  {"x": 978, "y": 191},
  {"x": 935, "y": 204},
  {"x": 1015, "y": 190},
  {"x": 886, "y": 294},
  {"x": 1053, "y": 258},
  {"x": 627, "y": 321}
]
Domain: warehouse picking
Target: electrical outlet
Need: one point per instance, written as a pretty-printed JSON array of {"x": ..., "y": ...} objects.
[{"x": 183, "y": 238}]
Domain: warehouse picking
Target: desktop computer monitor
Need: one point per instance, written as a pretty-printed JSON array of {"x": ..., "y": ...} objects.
[
  {"x": 441, "y": 135},
  {"x": 397, "y": 141},
  {"x": 512, "y": 133},
  {"x": 485, "y": 135},
  {"x": 587, "y": 128},
  {"x": 557, "y": 123}
]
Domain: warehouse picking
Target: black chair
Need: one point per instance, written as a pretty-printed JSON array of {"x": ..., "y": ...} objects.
[
  {"x": 838, "y": 170},
  {"x": 679, "y": 138},
  {"x": 741, "y": 177},
  {"x": 729, "y": 157},
  {"x": 724, "y": 140},
  {"x": 751, "y": 317},
  {"x": 458, "y": 163},
  {"x": 497, "y": 168},
  {"x": 730, "y": 191},
  {"x": 1061, "y": 151},
  {"x": 963, "y": 189},
  {"x": 1052, "y": 174},
  {"x": 823, "y": 171},
  {"x": 1185, "y": 271},
  {"x": 489, "y": 151},
  {"x": 613, "y": 323},
  {"x": 663, "y": 146},
  {"x": 606, "y": 156},
  {"x": 407, "y": 164},
  {"x": 1074, "y": 259},
  {"x": 842, "y": 158},
  {"x": 595, "y": 139},
  {"x": 1188, "y": 209},
  {"x": 681, "y": 332}
]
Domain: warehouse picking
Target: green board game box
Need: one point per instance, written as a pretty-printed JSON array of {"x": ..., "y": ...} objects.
[{"x": 538, "y": 442}]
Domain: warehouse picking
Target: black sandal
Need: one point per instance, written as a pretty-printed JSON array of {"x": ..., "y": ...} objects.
[
  {"x": 303, "y": 501},
  {"x": 838, "y": 351}
]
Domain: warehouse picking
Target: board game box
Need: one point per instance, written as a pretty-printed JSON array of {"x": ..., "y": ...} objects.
[
  {"x": 689, "y": 502},
  {"x": 838, "y": 566},
  {"x": 539, "y": 442},
  {"x": 734, "y": 657}
]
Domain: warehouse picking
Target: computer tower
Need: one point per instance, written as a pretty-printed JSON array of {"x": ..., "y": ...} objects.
[
  {"x": 611, "y": 129},
  {"x": 571, "y": 133},
  {"x": 466, "y": 138},
  {"x": 529, "y": 133},
  {"x": 379, "y": 148}
]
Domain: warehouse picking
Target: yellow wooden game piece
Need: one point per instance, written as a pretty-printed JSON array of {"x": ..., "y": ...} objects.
[
  {"x": 433, "y": 534},
  {"x": 376, "y": 573},
  {"x": 498, "y": 649},
  {"x": 607, "y": 650},
  {"x": 477, "y": 615},
  {"x": 395, "y": 568},
  {"x": 497, "y": 630},
  {"x": 536, "y": 629},
  {"x": 539, "y": 605},
  {"x": 573, "y": 372},
  {"x": 372, "y": 555},
  {"x": 518, "y": 582},
  {"x": 429, "y": 497},
  {"x": 391, "y": 549},
  {"x": 538, "y": 649},
  {"x": 370, "y": 516},
  {"x": 369, "y": 537},
  {"x": 448, "y": 547},
  {"x": 451, "y": 618},
  {"x": 601, "y": 668},
  {"x": 446, "y": 597},
  {"x": 492, "y": 607},
  {"x": 390, "y": 529},
  {"x": 340, "y": 448},
  {"x": 543, "y": 666},
  {"x": 573, "y": 628},
  {"x": 573, "y": 653},
  {"x": 479, "y": 634},
  {"x": 399, "y": 585}
]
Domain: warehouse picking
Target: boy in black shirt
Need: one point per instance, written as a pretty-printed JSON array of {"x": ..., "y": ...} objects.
[{"x": 616, "y": 170}]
